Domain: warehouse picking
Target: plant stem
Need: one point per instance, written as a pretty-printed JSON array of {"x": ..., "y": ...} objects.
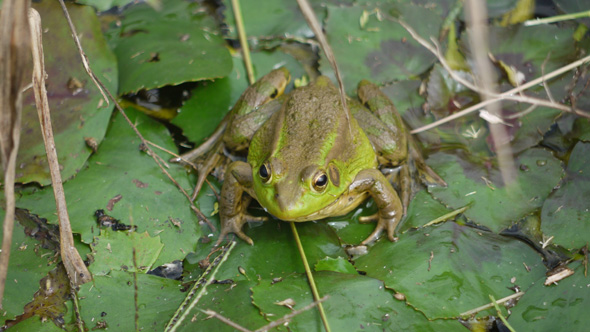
[
  {"x": 314, "y": 290},
  {"x": 557, "y": 18},
  {"x": 243, "y": 41}
]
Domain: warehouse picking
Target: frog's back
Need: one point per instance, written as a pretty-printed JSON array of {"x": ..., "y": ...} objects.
[{"x": 313, "y": 126}]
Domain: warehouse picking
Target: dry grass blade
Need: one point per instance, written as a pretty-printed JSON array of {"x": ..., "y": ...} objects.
[
  {"x": 73, "y": 263},
  {"x": 14, "y": 59}
]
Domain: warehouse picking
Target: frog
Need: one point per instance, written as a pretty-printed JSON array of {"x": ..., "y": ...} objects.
[{"x": 310, "y": 158}]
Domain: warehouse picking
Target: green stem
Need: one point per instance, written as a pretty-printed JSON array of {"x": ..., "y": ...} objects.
[
  {"x": 500, "y": 314},
  {"x": 314, "y": 289},
  {"x": 243, "y": 41},
  {"x": 557, "y": 18}
]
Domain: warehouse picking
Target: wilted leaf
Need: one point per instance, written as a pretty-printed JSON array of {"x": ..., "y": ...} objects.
[{"x": 76, "y": 105}]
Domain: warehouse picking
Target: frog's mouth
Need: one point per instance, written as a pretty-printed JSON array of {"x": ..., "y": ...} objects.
[{"x": 341, "y": 206}]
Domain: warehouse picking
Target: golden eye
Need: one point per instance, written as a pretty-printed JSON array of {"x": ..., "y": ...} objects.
[
  {"x": 264, "y": 172},
  {"x": 320, "y": 181},
  {"x": 275, "y": 93}
]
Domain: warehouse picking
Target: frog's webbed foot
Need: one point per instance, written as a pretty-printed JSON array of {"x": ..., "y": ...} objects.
[
  {"x": 386, "y": 221},
  {"x": 387, "y": 200},
  {"x": 235, "y": 225}
]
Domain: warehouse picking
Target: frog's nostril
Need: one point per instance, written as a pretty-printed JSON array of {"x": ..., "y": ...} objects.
[{"x": 276, "y": 195}]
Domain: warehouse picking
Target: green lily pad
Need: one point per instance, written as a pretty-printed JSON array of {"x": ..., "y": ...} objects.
[
  {"x": 380, "y": 50},
  {"x": 491, "y": 204},
  {"x": 127, "y": 184},
  {"x": 114, "y": 251},
  {"x": 110, "y": 300},
  {"x": 448, "y": 269},
  {"x": 355, "y": 303},
  {"x": 210, "y": 101},
  {"x": 566, "y": 213},
  {"x": 277, "y": 18},
  {"x": 338, "y": 264},
  {"x": 77, "y": 109},
  {"x": 551, "y": 308},
  {"x": 232, "y": 301},
  {"x": 274, "y": 253},
  {"x": 103, "y": 5},
  {"x": 180, "y": 43}
]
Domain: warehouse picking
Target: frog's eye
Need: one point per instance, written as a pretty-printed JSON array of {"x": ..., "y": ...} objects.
[
  {"x": 264, "y": 172},
  {"x": 320, "y": 181},
  {"x": 274, "y": 93}
]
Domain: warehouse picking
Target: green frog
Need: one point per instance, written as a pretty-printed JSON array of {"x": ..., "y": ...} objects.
[{"x": 309, "y": 158}]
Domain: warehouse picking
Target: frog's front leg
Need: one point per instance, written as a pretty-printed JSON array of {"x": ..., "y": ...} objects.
[
  {"x": 388, "y": 202},
  {"x": 233, "y": 205}
]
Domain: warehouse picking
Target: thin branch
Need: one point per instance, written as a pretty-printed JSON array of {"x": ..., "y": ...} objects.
[
  {"x": 508, "y": 95},
  {"x": 15, "y": 50},
  {"x": 491, "y": 305},
  {"x": 288, "y": 317},
  {"x": 558, "y": 18},
  {"x": 77, "y": 271},
  {"x": 477, "y": 18},
  {"x": 150, "y": 152},
  {"x": 227, "y": 321},
  {"x": 499, "y": 313}
]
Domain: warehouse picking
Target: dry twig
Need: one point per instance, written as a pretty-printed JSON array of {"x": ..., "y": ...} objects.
[
  {"x": 77, "y": 271},
  {"x": 14, "y": 58}
]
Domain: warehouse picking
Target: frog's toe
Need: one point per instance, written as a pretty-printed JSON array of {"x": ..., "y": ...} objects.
[
  {"x": 374, "y": 236},
  {"x": 371, "y": 218},
  {"x": 250, "y": 218},
  {"x": 245, "y": 237}
]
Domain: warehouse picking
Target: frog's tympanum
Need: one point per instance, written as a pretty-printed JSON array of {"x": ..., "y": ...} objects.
[{"x": 309, "y": 158}]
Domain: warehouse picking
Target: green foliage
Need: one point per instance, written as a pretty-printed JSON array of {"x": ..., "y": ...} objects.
[{"x": 422, "y": 282}]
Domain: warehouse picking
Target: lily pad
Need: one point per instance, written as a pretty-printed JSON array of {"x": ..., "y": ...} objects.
[
  {"x": 448, "y": 269},
  {"x": 211, "y": 100},
  {"x": 275, "y": 253},
  {"x": 114, "y": 251},
  {"x": 109, "y": 301},
  {"x": 128, "y": 185},
  {"x": 230, "y": 300},
  {"x": 277, "y": 18},
  {"x": 355, "y": 303},
  {"x": 103, "y": 5},
  {"x": 180, "y": 43},
  {"x": 492, "y": 204},
  {"x": 29, "y": 262},
  {"x": 76, "y": 106},
  {"x": 550, "y": 308},
  {"x": 378, "y": 50},
  {"x": 566, "y": 213}
]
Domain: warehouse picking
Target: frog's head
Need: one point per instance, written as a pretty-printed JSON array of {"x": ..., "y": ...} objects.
[{"x": 297, "y": 193}]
